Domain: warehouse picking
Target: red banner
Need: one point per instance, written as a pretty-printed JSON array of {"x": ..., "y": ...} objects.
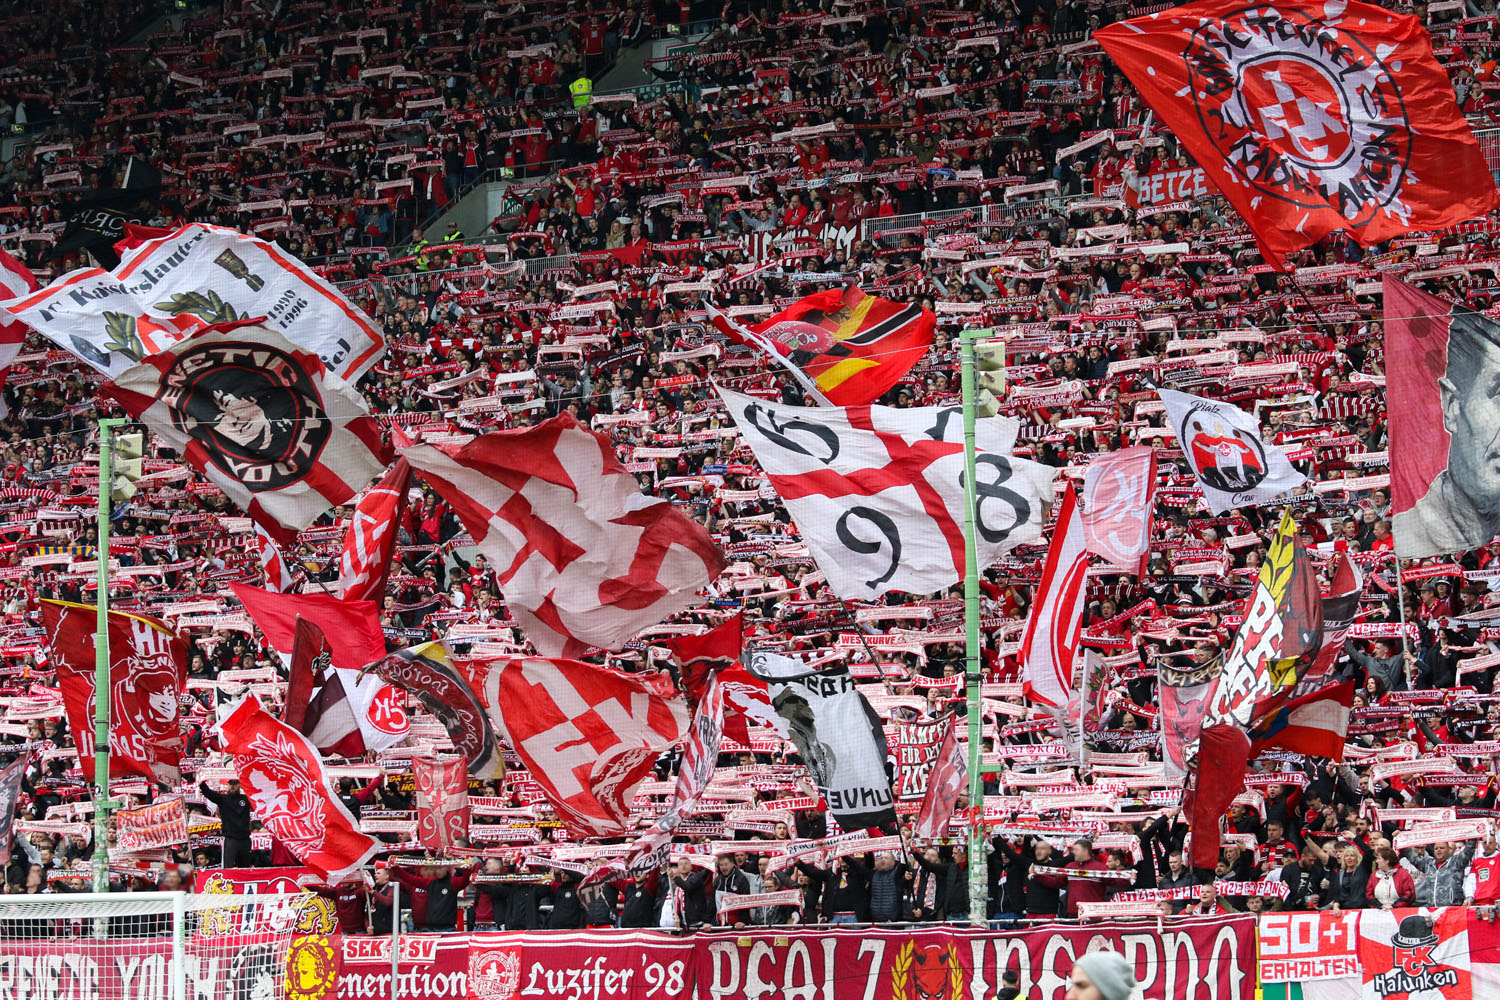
[
  {"x": 229, "y": 966},
  {"x": 254, "y": 880},
  {"x": 430, "y": 967},
  {"x": 1191, "y": 959},
  {"x": 614, "y": 965}
]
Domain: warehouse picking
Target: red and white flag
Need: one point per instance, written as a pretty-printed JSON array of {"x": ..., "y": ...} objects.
[
  {"x": 694, "y": 772},
  {"x": 370, "y": 542},
  {"x": 263, "y": 420},
  {"x": 583, "y": 557},
  {"x": 1310, "y": 117},
  {"x": 442, "y": 800},
  {"x": 282, "y": 774},
  {"x": 279, "y": 576},
  {"x": 945, "y": 784},
  {"x": 15, "y": 280},
  {"x": 147, "y": 669},
  {"x": 1315, "y": 723},
  {"x": 1118, "y": 488},
  {"x": 878, "y": 491},
  {"x": 588, "y": 735},
  {"x": 715, "y": 655},
  {"x": 1050, "y": 642},
  {"x": 171, "y": 283}
]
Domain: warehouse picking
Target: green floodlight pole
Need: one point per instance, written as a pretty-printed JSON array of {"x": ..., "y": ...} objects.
[
  {"x": 102, "y": 804},
  {"x": 978, "y": 881}
]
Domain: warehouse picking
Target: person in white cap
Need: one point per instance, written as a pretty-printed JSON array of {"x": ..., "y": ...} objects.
[{"x": 1101, "y": 975}]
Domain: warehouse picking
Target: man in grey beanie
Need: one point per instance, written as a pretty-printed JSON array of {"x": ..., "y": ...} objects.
[{"x": 1101, "y": 975}]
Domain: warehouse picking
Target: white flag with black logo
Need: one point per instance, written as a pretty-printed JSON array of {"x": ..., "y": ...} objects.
[
  {"x": 837, "y": 734},
  {"x": 1223, "y": 446},
  {"x": 878, "y": 492}
]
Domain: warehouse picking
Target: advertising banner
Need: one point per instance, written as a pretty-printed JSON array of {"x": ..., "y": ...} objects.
[{"x": 254, "y": 880}]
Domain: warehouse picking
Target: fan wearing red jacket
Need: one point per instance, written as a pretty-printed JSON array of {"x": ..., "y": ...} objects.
[{"x": 1089, "y": 888}]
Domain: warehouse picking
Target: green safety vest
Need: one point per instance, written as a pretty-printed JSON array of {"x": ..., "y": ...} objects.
[
  {"x": 457, "y": 235},
  {"x": 581, "y": 89}
]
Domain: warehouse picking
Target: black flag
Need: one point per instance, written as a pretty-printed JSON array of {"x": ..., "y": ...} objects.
[{"x": 96, "y": 221}]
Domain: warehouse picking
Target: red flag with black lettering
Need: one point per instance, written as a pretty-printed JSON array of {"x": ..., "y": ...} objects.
[{"x": 1310, "y": 117}]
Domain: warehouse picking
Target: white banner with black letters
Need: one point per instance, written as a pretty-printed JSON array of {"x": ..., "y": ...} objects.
[
  {"x": 837, "y": 734},
  {"x": 878, "y": 491}
]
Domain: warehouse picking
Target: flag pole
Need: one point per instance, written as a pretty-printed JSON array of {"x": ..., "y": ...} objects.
[
  {"x": 101, "y": 663},
  {"x": 978, "y": 883}
]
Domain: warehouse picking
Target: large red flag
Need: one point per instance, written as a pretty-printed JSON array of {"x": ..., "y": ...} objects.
[
  {"x": 283, "y": 776},
  {"x": 1218, "y": 778},
  {"x": 851, "y": 346},
  {"x": 588, "y": 735},
  {"x": 1310, "y": 116},
  {"x": 442, "y": 800},
  {"x": 352, "y": 628},
  {"x": 1117, "y": 492},
  {"x": 1051, "y": 638},
  {"x": 583, "y": 557},
  {"x": 147, "y": 667},
  {"x": 1445, "y": 492}
]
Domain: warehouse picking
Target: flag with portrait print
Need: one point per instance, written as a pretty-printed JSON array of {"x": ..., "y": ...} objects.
[{"x": 261, "y": 419}]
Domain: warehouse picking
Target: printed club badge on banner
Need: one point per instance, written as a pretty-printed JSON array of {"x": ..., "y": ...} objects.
[
  {"x": 494, "y": 968},
  {"x": 1415, "y": 954}
]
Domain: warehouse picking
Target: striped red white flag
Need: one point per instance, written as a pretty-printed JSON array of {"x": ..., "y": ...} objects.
[
  {"x": 583, "y": 557},
  {"x": 1050, "y": 642}
]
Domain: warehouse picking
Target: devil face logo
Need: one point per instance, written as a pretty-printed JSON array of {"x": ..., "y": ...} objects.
[{"x": 927, "y": 972}]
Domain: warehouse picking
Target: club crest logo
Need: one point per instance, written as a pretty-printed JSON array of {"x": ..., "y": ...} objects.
[
  {"x": 927, "y": 972},
  {"x": 1304, "y": 112},
  {"x": 253, "y": 410},
  {"x": 494, "y": 973},
  {"x": 1414, "y": 970}
]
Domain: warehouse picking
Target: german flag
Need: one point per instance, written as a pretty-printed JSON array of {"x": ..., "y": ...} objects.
[{"x": 854, "y": 347}]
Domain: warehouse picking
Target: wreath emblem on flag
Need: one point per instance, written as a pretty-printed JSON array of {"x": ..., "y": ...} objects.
[
  {"x": 1305, "y": 112},
  {"x": 252, "y": 409}
]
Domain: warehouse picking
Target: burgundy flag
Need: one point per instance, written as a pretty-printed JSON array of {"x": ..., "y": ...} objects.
[
  {"x": 946, "y": 783},
  {"x": 282, "y": 774},
  {"x": 147, "y": 668},
  {"x": 588, "y": 735},
  {"x": 583, "y": 557},
  {"x": 1117, "y": 492},
  {"x": 1218, "y": 778},
  {"x": 1051, "y": 638},
  {"x": 1445, "y": 494},
  {"x": 442, "y": 798},
  {"x": 370, "y": 542},
  {"x": 1310, "y": 117},
  {"x": 262, "y": 419}
]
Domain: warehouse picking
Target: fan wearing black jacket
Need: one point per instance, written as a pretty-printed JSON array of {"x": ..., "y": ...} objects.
[{"x": 691, "y": 889}]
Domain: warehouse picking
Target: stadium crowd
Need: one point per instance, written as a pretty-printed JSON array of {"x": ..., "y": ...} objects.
[{"x": 983, "y": 159}]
